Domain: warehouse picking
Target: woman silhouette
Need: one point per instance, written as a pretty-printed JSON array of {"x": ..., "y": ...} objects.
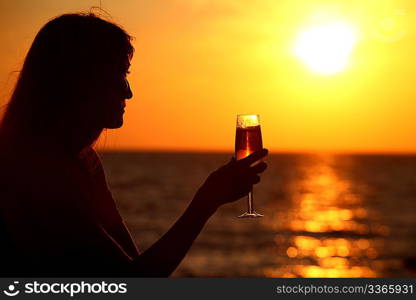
[{"x": 58, "y": 217}]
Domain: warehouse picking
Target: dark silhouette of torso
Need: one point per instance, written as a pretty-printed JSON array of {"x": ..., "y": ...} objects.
[{"x": 51, "y": 207}]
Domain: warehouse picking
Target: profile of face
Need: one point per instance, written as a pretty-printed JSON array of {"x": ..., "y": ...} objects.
[
  {"x": 73, "y": 82},
  {"x": 114, "y": 92}
]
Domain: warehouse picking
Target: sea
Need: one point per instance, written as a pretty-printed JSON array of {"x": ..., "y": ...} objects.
[{"x": 324, "y": 215}]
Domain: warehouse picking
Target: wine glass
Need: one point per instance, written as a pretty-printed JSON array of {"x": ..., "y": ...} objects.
[{"x": 248, "y": 140}]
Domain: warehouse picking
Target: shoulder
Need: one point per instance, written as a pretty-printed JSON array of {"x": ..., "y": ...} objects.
[{"x": 42, "y": 178}]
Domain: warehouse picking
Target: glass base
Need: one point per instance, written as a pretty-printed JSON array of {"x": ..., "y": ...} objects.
[{"x": 251, "y": 215}]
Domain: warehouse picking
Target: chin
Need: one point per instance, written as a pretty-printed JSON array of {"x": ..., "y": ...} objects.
[{"x": 115, "y": 124}]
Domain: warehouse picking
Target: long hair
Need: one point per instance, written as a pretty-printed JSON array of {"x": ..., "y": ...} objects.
[{"x": 57, "y": 95}]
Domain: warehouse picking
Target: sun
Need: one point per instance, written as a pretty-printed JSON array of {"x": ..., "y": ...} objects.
[{"x": 325, "y": 49}]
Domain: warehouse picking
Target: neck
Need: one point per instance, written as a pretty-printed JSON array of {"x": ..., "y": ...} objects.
[{"x": 76, "y": 142}]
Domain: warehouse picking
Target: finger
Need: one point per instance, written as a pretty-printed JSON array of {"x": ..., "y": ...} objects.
[
  {"x": 243, "y": 192},
  {"x": 250, "y": 180},
  {"x": 231, "y": 163},
  {"x": 253, "y": 157},
  {"x": 259, "y": 168},
  {"x": 255, "y": 179}
]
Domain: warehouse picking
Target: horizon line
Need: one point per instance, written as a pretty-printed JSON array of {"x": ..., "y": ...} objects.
[{"x": 271, "y": 151}]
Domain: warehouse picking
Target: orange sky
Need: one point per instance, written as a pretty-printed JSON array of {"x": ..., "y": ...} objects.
[{"x": 199, "y": 63}]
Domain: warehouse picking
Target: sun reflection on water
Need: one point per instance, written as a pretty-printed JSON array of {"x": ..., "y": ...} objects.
[{"x": 326, "y": 233}]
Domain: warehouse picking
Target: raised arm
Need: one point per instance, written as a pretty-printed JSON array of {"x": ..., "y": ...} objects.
[{"x": 227, "y": 184}]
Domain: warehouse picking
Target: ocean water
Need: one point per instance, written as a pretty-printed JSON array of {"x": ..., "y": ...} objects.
[{"x": 325, "y": 215}]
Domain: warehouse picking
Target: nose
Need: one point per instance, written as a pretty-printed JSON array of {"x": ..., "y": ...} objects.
[{"x": 129, "y": 93}]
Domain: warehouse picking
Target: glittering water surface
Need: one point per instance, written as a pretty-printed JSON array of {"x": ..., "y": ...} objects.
[{"x": 325, "y": 216}]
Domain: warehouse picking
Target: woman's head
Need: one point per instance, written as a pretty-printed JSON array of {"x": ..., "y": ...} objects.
[{"x": 73, "y": 81}]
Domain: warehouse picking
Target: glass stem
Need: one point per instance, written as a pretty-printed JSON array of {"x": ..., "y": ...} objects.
[{"x": 250, "y": 208}]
